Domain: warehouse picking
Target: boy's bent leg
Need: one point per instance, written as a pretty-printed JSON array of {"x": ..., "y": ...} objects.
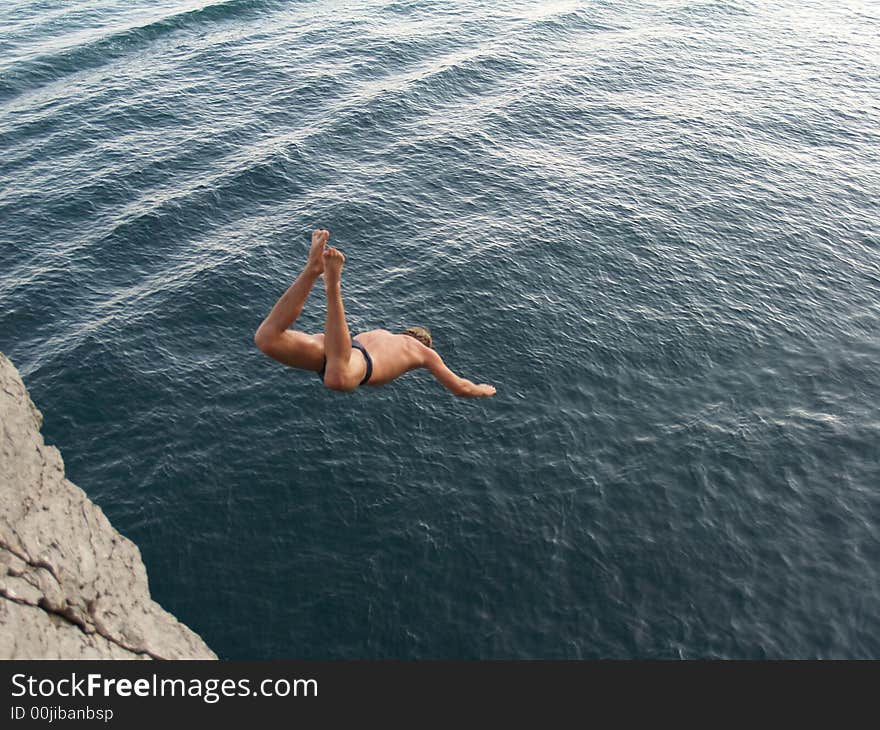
[
  {"x": 337, "y": 340},
  {"x": 287, "y": 309},
  {"x": 273, "y": 336}
]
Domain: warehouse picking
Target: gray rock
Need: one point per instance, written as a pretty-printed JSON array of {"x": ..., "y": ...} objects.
[{"x": 71, "y": 587}]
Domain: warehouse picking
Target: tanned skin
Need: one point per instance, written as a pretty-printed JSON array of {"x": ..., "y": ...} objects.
[{"x": 393, "y": 355}]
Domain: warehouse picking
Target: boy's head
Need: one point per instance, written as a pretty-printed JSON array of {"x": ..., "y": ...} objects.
[{"x": 422, "y": 334}]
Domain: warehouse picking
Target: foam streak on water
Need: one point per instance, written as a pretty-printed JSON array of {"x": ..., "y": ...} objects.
[{"x": 652, "y": 225}]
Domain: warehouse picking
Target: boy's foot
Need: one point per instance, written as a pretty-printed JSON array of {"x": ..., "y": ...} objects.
[
  {"x": 319, "y": 241},
  {"x": 333, "y": 261}
]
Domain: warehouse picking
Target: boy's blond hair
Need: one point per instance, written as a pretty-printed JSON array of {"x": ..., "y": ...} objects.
[{"x": 422, "y": 334}]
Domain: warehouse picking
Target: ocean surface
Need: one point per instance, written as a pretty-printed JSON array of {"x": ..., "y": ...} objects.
[{"x": 653, "y": 226}]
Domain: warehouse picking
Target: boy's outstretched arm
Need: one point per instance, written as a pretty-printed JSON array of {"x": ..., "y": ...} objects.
[{"x": 452, "y": 382}]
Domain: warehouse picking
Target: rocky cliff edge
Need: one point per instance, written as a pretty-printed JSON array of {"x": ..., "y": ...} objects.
[{"x": 71, "y": 587}]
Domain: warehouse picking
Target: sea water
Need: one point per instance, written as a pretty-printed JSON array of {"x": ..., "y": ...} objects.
[{"x": 652, "y": 225}]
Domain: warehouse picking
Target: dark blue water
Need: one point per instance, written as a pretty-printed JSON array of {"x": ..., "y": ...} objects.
[{"x": 654, "y": 226}]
